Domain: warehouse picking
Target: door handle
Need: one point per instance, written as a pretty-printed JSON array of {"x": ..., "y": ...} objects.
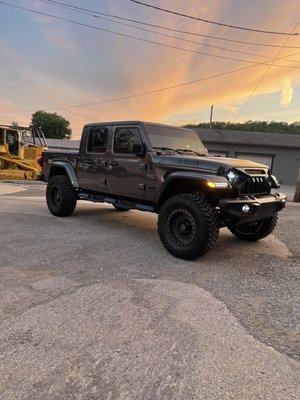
[{"x": 113, "y": 163}]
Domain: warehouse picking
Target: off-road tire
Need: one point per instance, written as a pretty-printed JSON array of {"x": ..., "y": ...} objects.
[
  {"x": 65, "y": 202},
  {"x": 260, "y": 230},
  {"x": 120, "y": 208},
  {"x": 203, "y": 220}
]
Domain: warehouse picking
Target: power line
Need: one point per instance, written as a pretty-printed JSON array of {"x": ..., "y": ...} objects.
[
  {"x": 210, "y": 21},
  {"x": 71, "y": 8},
  {"x": 139, "y": 94},
  {"x": 264, "y": 75},
  {"x": 167, "y": 29},
  {"x": 138, "y": 38},
  {"x": 128, "y": 97}
]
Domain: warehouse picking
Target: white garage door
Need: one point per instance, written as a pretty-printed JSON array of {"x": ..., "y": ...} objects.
[{"x": 265, "y": 159}]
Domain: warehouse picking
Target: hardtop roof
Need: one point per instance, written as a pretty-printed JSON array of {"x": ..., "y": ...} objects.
[{"x": 135, "y": 123}]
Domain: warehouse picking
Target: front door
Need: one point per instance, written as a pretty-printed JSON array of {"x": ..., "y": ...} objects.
[
  {"x": 126, "y": 172},
  {"x": 91, "y": 163}
]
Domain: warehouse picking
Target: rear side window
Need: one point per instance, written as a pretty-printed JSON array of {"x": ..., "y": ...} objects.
[
  {"x": 125, "y": 139},
  {"x": 97, "y": 140}
]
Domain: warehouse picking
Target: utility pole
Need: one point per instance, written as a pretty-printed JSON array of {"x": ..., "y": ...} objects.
[
  {"x": 297, "y": 190},
  {"x": 211, "y": 116}
]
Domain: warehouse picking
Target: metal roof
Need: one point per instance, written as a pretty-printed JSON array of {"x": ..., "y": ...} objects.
[
  {"x": 58, "y": 143},
  {"x": 63, "y": 144},
  {"x": 249, "y": 138}
]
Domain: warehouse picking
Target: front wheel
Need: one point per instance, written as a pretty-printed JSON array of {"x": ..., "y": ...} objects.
[
  {"x": 253, "y": 231},
  {"x": 61, "y": 196},
  {"x": 188, "y": 226}
]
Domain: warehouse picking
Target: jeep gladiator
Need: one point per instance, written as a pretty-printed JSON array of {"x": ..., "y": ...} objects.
[{"x": 165, "y": 170}]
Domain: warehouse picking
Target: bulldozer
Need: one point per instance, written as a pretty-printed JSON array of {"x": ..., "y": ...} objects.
[{"x": 20, "y": 151}]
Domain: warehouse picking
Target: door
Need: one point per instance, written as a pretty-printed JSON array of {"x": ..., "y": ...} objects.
[
  {"x": 92, "y": 158},
  {"x": 126, "y": 172}
]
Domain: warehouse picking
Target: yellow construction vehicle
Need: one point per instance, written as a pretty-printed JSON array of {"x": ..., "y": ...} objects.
[{"x": 20, "y": 151}]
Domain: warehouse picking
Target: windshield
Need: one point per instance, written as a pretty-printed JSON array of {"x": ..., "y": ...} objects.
[{"x": 175, "y": 139}]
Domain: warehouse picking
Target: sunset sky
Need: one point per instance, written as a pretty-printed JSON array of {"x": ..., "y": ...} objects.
[{"x": 50, "y": 64}]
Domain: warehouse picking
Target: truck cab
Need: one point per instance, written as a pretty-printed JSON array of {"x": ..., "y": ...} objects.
[{"x": 110, "y": 156}]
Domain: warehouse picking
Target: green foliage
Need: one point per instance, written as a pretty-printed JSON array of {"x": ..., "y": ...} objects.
[
  {"x": 257, "y": 126},
  {"x": 53, "y": 125},
  {"x": 14, "y": 124}
]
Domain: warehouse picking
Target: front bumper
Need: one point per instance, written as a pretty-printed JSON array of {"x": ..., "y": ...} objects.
[{"x": 259, "y": 207}]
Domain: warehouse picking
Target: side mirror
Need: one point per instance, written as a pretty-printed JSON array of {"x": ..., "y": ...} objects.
[{"x": 139, "y": 150}]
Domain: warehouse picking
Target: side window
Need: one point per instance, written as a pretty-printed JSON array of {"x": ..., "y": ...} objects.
[
  {"x": 97, "y": 140},
  {"x": 125, "y": 139}
]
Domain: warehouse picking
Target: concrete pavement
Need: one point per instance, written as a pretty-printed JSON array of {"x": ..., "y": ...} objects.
[{"x": 93, "y": 307}]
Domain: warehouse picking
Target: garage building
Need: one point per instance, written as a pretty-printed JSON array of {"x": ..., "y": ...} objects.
[{"x": 281, "y": 152}]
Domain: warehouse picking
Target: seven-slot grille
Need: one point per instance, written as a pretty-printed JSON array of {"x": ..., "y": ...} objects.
[{"x": 255, "y": 185}]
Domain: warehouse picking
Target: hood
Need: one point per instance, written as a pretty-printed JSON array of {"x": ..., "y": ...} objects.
[{"x": 210, "y": 163}]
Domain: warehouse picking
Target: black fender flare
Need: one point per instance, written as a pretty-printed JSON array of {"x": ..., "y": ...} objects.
[
  {"x": 190, "y": 176},
  {"x": 69, "y": 170}
]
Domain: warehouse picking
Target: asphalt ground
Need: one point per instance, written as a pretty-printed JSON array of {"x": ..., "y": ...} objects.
[{"x": 93, "y": 307}]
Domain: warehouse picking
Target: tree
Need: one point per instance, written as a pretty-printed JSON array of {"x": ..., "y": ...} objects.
[
  {"x": 257, "y": 126},
  {"x": 14, "y": 124},
  {"x": 53, "y": 125}
]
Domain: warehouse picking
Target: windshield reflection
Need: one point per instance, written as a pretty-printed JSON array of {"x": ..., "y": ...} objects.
[{"x": 177, "y": 140}]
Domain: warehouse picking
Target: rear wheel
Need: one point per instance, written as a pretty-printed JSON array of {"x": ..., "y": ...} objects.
[
  {"x": 256, "y": 230},
  {"x": 188, "y": 226},
  {"x": 61, "y": 196}
]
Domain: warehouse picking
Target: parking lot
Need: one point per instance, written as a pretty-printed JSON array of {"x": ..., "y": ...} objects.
[{"x": 93, "y": 307}]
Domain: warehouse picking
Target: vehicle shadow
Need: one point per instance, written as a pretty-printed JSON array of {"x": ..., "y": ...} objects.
[{"x": 136, "y": 223}]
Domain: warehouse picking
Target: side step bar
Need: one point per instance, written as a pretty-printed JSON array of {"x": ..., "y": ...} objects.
[{"x": 98, "y": 198}]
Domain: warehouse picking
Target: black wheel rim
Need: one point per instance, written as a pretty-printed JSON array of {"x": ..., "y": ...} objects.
[
  {"x": 181, "y": 227},
  {"x": 249, "y": 229},
  {"x": 55, "y": 196}
]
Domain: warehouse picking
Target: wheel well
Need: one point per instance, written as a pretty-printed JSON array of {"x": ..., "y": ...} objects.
[
  {"x": 57, "y": 170},
  {"x": 178, "y": 186}
]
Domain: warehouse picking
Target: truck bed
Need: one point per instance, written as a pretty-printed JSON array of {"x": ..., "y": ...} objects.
[{"x": 49, "y": 156}]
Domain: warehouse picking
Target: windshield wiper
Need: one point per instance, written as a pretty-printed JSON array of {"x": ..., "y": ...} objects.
[
  {"x": 178, "y": 150},
  {"x": 188, "y": 151},
  {"x": 164, "y": 149}
]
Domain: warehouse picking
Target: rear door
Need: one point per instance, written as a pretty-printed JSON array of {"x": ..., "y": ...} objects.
[
  {"x": 91, "y": 169},
  {"x": 126, "y": 172}
]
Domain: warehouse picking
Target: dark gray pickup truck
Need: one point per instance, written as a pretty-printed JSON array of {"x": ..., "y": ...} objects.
[{"x": 166, "y": 170}]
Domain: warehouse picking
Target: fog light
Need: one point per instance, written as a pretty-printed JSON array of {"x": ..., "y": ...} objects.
[
  {"x": 211, "y": 185},
  {"x": 246, "y": 208}
]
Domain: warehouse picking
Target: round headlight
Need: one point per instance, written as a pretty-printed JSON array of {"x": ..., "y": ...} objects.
[
  {"x": 232, "y": 176},
  {"x": 275, "y": 184},
  {"x": 246, "y": 208}
]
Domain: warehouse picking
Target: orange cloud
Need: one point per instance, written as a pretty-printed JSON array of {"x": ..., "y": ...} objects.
[{"x": 139, "y": 67}]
